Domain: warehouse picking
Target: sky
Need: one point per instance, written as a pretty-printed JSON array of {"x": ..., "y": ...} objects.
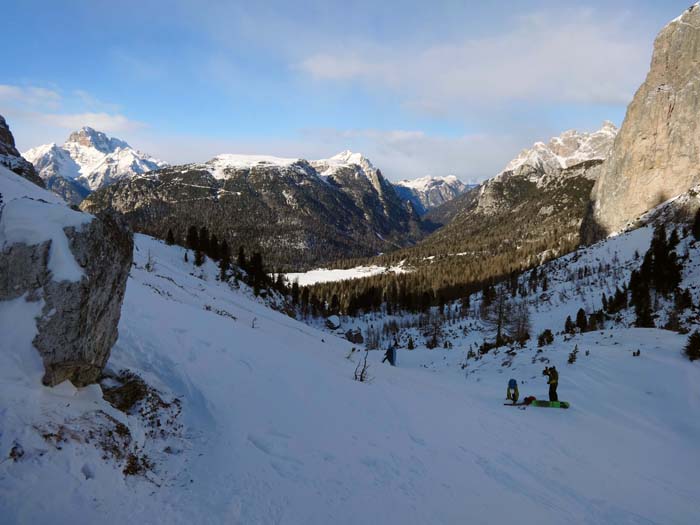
[{"x": 421, "y": 88}]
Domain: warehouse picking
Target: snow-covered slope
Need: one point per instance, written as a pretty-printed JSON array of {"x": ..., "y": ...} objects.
[
  {"x": 429, "y": 192},
  {"x": 276, "y": 431},
  {"x": 90, "y": 158}
]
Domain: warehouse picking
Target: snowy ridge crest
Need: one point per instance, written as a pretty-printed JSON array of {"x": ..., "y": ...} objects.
[{"x": 566, "y": 150}]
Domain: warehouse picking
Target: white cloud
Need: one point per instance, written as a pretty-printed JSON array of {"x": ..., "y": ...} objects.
[
  {"x": 36, "y": 97},
  {"x": 109, "y": 123},
  {"x": 570, "y": 56},
  {"x": 38, "y": 115}
]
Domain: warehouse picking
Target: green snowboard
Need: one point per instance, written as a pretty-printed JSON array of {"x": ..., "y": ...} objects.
[{"x": 552, "y": 404}]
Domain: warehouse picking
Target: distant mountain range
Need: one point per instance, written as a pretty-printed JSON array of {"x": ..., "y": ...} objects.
[
  {"x": 529, "y": 212},
  {"x": 298, "y": 213},
  {"x": 427, "y": 193},
  {"x": 88, "y": 160}
]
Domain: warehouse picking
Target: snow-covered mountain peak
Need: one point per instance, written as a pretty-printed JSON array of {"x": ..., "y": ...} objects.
[
  {"x": 91, "y": 159},
  {"x": 429, "y": 181},
  {"x": 568, "y": 149},
  {"x": 361, "y": 165},
  {"x": 429, "y": 192},
  {"x": 89, "y": 137},
  {"x": 345, "y": 159}
]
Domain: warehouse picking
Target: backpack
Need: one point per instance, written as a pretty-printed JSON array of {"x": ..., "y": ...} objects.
[{"x": 512, "y": 384}]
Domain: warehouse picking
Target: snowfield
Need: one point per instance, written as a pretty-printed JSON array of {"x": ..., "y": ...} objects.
[
  {"x": 327, "y": 275},
  {"x": 275, "y": 430}
]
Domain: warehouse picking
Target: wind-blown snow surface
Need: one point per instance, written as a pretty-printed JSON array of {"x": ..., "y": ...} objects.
[{"x": 278, "y": 432}]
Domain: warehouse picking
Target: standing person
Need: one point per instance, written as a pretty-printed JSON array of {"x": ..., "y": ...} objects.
[
  {"x": 512, "y": 392},
  {"x": 553, "y": 382},
  {"x": 390, "y": 355}
]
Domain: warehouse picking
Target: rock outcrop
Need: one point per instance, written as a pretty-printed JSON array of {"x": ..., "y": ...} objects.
[
  {"x": 11, "y": 158},
  {"x": 656, "y": 155},
  {"x": 76, "y": 264}
]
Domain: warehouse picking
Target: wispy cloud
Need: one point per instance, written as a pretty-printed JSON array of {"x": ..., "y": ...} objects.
[
  {"x": 29, "y": 96},
  {"x": 569, "y": 56},
  {"x": 40, "y": 114}
]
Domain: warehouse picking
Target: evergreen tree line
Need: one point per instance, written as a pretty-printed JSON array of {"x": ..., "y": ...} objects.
[{"x": 249, "y": 269}]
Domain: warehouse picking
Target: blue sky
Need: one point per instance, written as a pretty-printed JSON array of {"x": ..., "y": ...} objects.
[{"x": 419, "y": 87}]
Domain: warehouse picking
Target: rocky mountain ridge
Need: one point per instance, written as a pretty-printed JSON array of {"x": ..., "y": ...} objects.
[{"x": 289, "y": 210}]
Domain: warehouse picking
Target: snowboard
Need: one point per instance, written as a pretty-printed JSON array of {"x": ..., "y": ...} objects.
[
  {"x": 514, "y": 405},
  {"x": 552, "y": 404}
]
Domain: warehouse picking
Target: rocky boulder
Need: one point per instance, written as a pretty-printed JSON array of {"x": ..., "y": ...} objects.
[
  {"x": 656, "y": 155},
  {"x": 76, "y": 264}
]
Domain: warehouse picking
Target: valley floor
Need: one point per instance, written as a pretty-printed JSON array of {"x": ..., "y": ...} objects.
[{"x": 275, "y": 430}]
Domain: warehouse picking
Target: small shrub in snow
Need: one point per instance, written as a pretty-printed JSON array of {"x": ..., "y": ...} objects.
[
  {"x": 362, "y": 370},
  {"x": 545, "y": 338},
  {"x": 572, "y": 355}
]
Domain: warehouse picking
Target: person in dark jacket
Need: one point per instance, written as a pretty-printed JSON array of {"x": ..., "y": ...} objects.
[
  {"x": 512, "y": 393},
  {"x": 552, "y": 381},
  {"x": 390, "y": 355}
]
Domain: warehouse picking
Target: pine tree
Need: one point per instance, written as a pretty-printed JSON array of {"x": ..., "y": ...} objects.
[
  {"x": 257, "y": 272},
  {"x": 569, "y": 326},
  {"x": 214, "y": 248},
  {"x": 581, "y": 320},
  {"x": 696, "y": 225},
  {"x": 192, "y": 238},
  {"x": 295, "y": 292},
  {"x": 170, "y": 238},
  {"x": 411, "y": 344},
  {"x": 241, "y": 260},
  {"x": 198, "y": 257},
  {"x": 224, "y": 260},
  {"x": 204, "y": 239},
  {"x": 692, "y": 347}
]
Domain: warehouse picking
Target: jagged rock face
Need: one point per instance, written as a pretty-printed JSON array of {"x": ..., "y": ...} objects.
[
  {"x": 11, "y": 158},
  {"x": 77, "y": 265},
  {"x": 282, "y": 207},
  {"x": 656, "y": 155}
]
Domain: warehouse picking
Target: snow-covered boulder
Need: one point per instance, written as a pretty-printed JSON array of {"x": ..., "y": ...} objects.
[
  {"x": 333, "y": 322},
  {"x": 74, "y": 265}
]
